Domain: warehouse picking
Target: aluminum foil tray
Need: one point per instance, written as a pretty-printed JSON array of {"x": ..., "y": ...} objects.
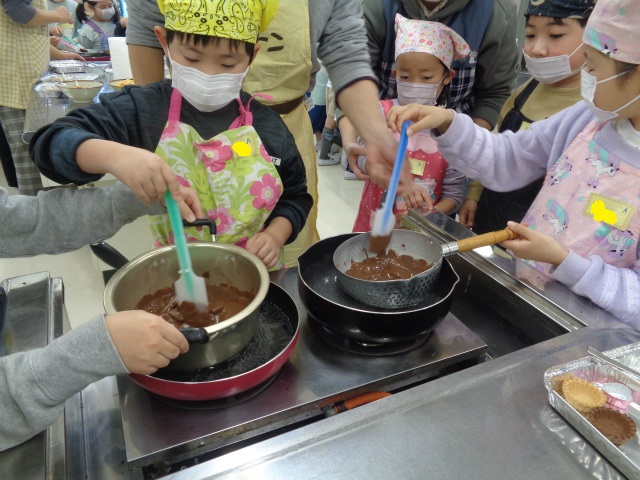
[
  {"x": 68, "y": 66},
  {"x": 627, "y": 457},
  {"x": 48, "y": 90},
  {"x": 68, "y": 77}
]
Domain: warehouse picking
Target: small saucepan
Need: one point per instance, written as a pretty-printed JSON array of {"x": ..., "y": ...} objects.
[
  {"x": 403, "y": 293},
  {"x": 226, "y": 264}
]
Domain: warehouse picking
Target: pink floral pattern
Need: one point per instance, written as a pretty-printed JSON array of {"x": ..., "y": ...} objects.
[
  {"x": 215, "y": 155},
  {"x": 266, "y": 192},
  {"x": 429, "y": 37},
  {"x": 171, "y": 130},
  {"x": 222, "y": 218}
]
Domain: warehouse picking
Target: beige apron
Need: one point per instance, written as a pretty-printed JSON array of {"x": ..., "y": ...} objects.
[
  {"x": 24, "y": 57},
  {"x": 282, "y": 69}
]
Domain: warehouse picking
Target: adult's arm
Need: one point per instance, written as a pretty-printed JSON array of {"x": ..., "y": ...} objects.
[
  {"x": 62, "y": 220},
  {"x": 35, "y": 384},
  {"x": 498, "y": 63},
  {"x": 508, "y": 161}
]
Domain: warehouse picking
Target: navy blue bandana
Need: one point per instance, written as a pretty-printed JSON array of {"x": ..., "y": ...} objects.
[{"x": 561, "y": 8}]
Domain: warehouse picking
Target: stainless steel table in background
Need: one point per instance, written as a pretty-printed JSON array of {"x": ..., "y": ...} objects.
[{"x": 43, "y": 110}]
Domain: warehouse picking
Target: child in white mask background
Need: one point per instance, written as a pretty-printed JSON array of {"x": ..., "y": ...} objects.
[
  {"x": 424, "y": 54},
  {"x": 100, "y": 20},
  {"x": 236, "y": 153},
  {"x": 583, "y": 226},
  {"x": 554, "y": 56}
]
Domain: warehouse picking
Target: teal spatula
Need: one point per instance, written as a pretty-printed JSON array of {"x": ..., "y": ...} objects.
[{"x": 189, "y": 287}]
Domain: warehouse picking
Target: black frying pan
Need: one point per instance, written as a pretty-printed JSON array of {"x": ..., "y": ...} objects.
[{"x": 335, "y": 309}]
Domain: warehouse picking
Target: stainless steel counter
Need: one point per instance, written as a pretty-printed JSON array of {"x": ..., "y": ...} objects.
[
  {"x": 491, "y": 421},
  {"x": 35, "y": 316}
]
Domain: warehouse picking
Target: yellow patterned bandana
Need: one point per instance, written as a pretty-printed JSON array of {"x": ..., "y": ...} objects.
[{"x": 234, "y": 19}]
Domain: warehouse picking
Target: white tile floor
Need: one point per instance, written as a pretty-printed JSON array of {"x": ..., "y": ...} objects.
[{"x": 81, "y": 271}]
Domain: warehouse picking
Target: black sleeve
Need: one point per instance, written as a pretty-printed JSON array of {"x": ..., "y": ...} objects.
[{"x": 134, "y": 116}]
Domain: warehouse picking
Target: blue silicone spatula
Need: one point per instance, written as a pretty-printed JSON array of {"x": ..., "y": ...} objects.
[
  {"x": 189, "y": 287},
  {"x": 383, "y": 218}
]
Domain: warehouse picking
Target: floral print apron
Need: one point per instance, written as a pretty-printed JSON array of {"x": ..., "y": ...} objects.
[
  {"x": 236, "y": 180},
  {"x": 428, "y": 169},
  {"x": 588, "y": 202}
]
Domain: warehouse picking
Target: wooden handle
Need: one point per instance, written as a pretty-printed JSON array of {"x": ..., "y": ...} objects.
[{"x": 490, "y": 238}]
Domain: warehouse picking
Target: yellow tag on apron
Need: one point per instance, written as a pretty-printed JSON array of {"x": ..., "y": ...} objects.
[
  {"x": 607, "y": 210},
  {"x": 417, "y": 166}
]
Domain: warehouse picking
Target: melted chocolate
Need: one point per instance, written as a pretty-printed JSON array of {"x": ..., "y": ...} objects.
[
  {"x": 224, "y": 302},
  {"x": 389, "y": 266},
  {"x": 379, "y": 243}
]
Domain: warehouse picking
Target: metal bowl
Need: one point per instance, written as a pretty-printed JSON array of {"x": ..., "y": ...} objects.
[
  {"x": 226, "y": 264},
  {"x": 391, "y": 294}
]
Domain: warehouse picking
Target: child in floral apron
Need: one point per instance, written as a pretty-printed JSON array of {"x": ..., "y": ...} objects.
[
  {"x": 237, "y": 154},
  {"x": 583, "y": 226},
  {"x": 424, "y": 54}
]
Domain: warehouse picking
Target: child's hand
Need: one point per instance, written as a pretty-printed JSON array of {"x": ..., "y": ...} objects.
[
  {"x": 145, "y": 342},
  {"x": 415, "y": 196},
  {"x": 423, "y": 116},
  {"x": 146, "y": 174},
  {"x": 467, "y": 213},
  {"x": 353, "y": 151},
  {"x": 532, "y": 245},
  {"x": 265, "y": 247},
  {"x": 190, "y": 207}
]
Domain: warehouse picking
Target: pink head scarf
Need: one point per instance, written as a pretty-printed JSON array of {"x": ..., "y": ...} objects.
[
  {"x": 613, "y": 29},
  {"x": 429, "y": 37}
]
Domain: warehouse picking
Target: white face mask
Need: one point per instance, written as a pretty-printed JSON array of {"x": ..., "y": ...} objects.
[
  {"x": 588, "y": 85},
  {"x": 206, "y": 92},
  {"x": 551, "y": 69},
  {"x": 107, "y": 13},
  {"x": 422, "y": 93}
]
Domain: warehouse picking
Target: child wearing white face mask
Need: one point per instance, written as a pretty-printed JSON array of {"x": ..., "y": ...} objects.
[
  {"x": 104, "y": 22},
  {"x": 554, "y": 55},
  {"x": 584, "y": 225},
  {"x": 237, "y": 154},
  {"x": 424, "y": 53}
]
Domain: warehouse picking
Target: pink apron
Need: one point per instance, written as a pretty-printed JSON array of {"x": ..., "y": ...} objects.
[
  {"x": 236, "y": 180},
  {"x": 428, "y": 168},
  {"x": 588, "y": 203}
]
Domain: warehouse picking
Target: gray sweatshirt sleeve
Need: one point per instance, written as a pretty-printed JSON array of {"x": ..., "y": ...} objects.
[
  {"x": 453, "y": 185},
  {"x": 498, "y": 63},
  {"x": 20, "y": 11},
  {"x": 62, "y": 220},
  {"x": 35, "y": 384},
  {"x": 338, "y": 29}
]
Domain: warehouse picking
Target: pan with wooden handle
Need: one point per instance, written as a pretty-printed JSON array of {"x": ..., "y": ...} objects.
[{"x": 403, "y": 293}]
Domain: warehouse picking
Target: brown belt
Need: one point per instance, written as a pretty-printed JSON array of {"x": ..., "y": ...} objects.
[{"x": 287, "y": 107}]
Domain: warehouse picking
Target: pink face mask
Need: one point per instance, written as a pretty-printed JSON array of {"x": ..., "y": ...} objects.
[{"x": 422, "y": 93}]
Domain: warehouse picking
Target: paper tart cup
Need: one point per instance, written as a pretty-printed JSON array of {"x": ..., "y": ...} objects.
[
  {"x": 617, "y": 427},
  {"x": 618, "y": 396},
  {"x": 582, "y": 395}
]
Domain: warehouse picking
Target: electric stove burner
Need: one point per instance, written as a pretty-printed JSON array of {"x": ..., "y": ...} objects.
[
  {"x": 364, "y": 348},
  {"x": 220, "y": 402}
]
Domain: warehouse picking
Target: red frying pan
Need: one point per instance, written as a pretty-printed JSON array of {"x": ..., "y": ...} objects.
[{"x": 271, "y": 347}]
